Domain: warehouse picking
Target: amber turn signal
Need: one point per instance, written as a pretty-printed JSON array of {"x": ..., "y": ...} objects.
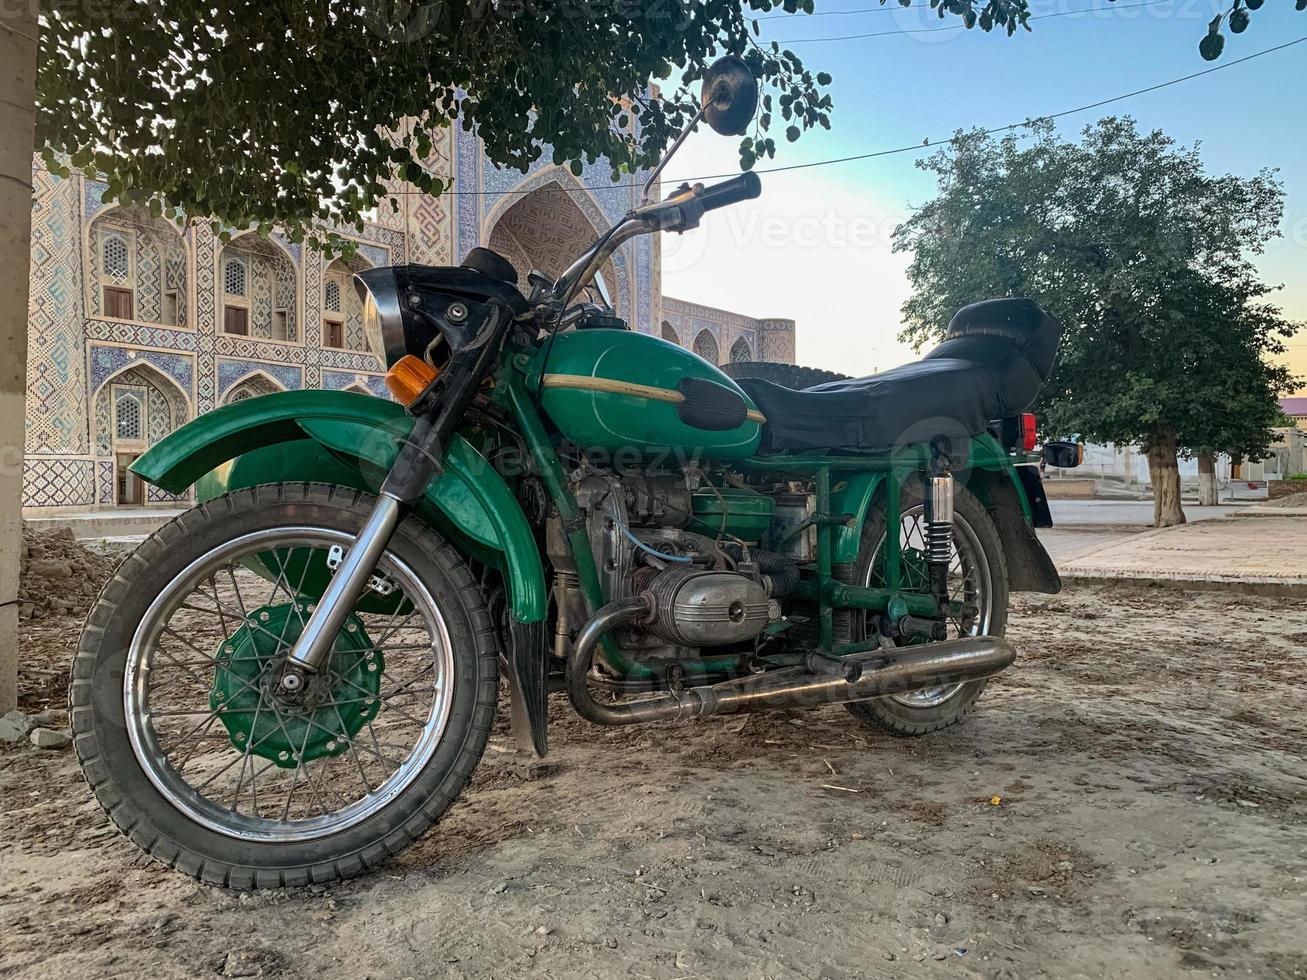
[{"x": 409, "y": 377}]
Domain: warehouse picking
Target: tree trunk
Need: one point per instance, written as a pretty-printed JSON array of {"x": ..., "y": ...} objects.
[
  {"x": 17, "y": 122},
  {"x": 1207, "y": 495},
  {"x": 1164, "y": 471}
]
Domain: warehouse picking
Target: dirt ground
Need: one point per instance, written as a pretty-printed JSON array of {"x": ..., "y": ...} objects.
[{"x": 1129, "y": 800}]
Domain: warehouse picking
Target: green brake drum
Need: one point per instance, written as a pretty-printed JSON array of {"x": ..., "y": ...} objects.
[{"x": 336, "y": 704}]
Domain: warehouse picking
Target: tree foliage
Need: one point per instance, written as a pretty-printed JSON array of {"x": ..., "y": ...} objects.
[
  {"x": 1238, "y": 17},
  {"x": 291, "y": 112},
  {"x": 1143, "y": 255}
]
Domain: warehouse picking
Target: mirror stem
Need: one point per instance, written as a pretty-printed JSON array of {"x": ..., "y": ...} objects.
[{"x": 676, "y": 145}]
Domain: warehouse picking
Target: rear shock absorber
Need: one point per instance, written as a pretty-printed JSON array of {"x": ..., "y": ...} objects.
[{"x": 939, "y": 531}]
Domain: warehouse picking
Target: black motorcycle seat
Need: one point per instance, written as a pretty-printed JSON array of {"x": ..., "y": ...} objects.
[{"x": 993, "y": 359}]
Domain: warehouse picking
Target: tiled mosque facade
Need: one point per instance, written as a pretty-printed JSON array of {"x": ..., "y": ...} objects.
[{"x": 136, "y": 326}]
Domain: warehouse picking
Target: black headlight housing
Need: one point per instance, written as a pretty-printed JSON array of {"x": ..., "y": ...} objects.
[{"x": 431, "y": 312}]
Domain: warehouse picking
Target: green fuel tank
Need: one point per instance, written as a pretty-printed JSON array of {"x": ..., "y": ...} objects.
[{"x": 621, "y": 391}]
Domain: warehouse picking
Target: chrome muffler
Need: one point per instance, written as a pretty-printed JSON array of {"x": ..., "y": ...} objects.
[{"x": 890, "y": 671}]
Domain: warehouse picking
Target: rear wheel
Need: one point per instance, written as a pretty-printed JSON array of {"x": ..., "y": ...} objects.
[
  {"x": 198, "y": 755},
  {"x": 977, "y": 577}
]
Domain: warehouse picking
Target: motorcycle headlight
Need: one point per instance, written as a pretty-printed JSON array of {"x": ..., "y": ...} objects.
[{"x": 383, "y": 322}]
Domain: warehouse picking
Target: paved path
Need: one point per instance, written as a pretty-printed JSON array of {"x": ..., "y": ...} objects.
[
  {"x": 1137, "y": 513},
  {"x": 1262, "y": 553}
]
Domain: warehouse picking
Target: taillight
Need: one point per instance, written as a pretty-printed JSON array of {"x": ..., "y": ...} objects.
[{"x": 1028, "y": 439}]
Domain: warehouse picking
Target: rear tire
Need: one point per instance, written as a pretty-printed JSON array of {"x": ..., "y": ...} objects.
[
  {"x": 974, "y": 532},
  {"x": 126, "y": 780}
]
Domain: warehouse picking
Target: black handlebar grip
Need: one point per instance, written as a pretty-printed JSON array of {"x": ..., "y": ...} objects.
[{"x": 742, "y": 188}]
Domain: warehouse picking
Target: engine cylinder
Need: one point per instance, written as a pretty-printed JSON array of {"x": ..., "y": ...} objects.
[{"x": 700, "y": 608}]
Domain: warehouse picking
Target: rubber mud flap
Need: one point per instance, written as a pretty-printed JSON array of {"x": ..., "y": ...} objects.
[{"x": 530, "y": 708}]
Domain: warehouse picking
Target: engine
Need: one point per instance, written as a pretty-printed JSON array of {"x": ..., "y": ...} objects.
[{"x": 688, "y": 545}]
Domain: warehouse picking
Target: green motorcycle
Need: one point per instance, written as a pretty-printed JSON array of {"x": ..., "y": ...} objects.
[{"x": 294, "y": 679}]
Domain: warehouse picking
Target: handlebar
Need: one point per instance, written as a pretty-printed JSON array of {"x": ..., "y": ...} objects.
[
  {"x": 745, "y": 187},
  {"x": 680, "y": 212}
]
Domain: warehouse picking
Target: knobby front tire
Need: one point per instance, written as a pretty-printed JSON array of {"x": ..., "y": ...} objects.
[{"x": 174, "y": 716}]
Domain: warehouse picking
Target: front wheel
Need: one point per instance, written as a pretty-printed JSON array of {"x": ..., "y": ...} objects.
[
  {"x": 977, "y": 578},
  {"x": 191, "y": 746}
]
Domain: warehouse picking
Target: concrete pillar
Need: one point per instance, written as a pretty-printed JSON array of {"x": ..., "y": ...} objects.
[{"x": 17, "y": 122}]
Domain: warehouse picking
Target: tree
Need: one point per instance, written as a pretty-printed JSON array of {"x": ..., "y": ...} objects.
[
  {"x": 1144, "y": 257},
  {"x": 292, "y": 115},
  {"x": 1237, "y": 17},
  {"x": 18, "y": 72}
]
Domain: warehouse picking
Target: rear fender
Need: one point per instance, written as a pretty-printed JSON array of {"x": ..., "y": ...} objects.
[
  {"x": 351, "y": 439},
  {"x": 992, "y": 477},
  {"x": 1029, "y": 568}
]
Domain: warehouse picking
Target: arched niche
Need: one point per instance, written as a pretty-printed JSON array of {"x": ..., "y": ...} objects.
[
  {"x": 258, "y": 290},
  {"x": 137, "y": 266}
]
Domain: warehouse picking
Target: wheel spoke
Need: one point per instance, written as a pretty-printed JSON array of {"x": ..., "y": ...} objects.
[{"x": 229, "y": 748}]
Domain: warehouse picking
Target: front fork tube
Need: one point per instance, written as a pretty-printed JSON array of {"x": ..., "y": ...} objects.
[
  {"x": 416, "y": 463},
  {"x": 346, "y": 585}
]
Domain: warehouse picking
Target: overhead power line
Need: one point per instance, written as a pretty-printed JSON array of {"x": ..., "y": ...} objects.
[
  {"x": 959, "y": 27},
  {"x": 924, "y": 145},
  {"x": 887, "y": 8},
  {"x": 1017, "y": 125}
]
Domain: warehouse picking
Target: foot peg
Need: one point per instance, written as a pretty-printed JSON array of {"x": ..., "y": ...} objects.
[{"x": 817, "y": 662}]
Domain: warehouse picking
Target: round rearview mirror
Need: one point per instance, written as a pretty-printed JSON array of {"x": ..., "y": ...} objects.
[{"x": 729, "y": 95}]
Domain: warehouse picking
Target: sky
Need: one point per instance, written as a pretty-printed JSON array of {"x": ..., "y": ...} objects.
[{"x": 815, "y": 246}]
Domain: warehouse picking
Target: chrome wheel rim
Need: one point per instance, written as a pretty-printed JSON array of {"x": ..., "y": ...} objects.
[
  {"x": 196, "y": 763},
  {"x": 969, "y": 582}
]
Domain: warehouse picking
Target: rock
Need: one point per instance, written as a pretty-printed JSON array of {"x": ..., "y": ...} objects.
[
  {"x": 48, "y": 738},
  {"x": 50, "y": 568},
  {"x": 251, "y": 963},
  {"x": 15, "y": 726},
  {"x": 941, "y": 919}
]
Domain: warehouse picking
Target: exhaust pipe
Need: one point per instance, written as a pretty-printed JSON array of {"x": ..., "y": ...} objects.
[{"x": 883, "y": 672}]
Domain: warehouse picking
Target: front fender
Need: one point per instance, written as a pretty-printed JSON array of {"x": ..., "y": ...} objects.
[{"x": 351, "y": 439}]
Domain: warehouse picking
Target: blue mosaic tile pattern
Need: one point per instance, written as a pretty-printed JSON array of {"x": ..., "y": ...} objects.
[
  {"x": 231, "y": 371},
  {"x": 106, "y": 361}
]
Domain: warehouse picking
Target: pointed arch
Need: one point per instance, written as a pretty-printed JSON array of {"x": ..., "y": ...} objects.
[
  {"x": 342, "y": 309},
  {"x": 705, "y": 345},
  {"x": 741, "y": 351},
  {"x": 137, "y": 266},
  {"x": 669, "y": 334},
  {"x": 258, "y": 289},
  {"x": 545, "y": 221},
  {"x": 257, "y": 382},
  {"x": 133, "y": 408},
  {"x": 169, "y": 383}
]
